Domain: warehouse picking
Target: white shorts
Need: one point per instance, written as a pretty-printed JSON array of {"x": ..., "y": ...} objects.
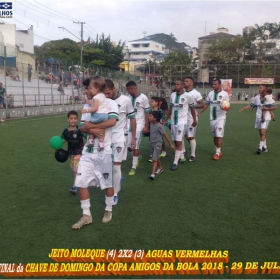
[
  {"x": 138, "y": 139},
  {"x": 190, "y": 130},
  {"x": 118, "y": 151},
  {"x": 95, "y": 170},
  {"x": 261, "y": 125},
  {"x": 177, "y": 132},
  {"x": 217, "y": 128}
]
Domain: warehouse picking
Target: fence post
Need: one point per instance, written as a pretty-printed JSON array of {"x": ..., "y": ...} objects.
[
  {"x": 39, "y": 99},
  {"x": 22, "y": 85},
  {"x": 44, "y": 99},
  {"x": 5, "y": 81},
  {"x": 52, "y": 85}
]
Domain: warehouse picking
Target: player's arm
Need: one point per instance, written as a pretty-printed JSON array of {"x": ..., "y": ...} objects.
[
  {"x": 200, "y": 104},
  {"x": 147, "y": 110},
  {"x": 133, "y": 132},
  {"x": 168, "y": 114},
  {"x": 193, "y": 112},
  {"x": 269, "y": 109},
  {"x": 168, "y": 140},
  {"x": 252, "y": 105}
]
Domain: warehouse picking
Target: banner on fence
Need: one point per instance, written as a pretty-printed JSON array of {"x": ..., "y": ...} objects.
[
  {"x": 227, "y": 85},
  {"x": 258, "y": 81}
]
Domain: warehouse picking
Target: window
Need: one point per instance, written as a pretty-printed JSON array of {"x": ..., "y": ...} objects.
[{"x": 145, "y": 45}]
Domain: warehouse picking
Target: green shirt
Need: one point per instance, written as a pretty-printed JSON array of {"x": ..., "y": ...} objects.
[{"x": 2, "y": 92}]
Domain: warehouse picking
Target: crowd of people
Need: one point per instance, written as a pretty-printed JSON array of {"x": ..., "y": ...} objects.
[{"x": 114, "y": 124}]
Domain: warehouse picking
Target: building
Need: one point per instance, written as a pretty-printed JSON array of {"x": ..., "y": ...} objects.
[
  {"x": 248, "y": 29},
  {"x": 17, "y": 45},
  {"x": 138, "y": 52},
  {"x": 203, "y": 44}
]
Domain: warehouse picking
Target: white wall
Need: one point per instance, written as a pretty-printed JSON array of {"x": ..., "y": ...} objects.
[
  {"x": 25, "y": 41},
  {"x": 8, "y": 32}
]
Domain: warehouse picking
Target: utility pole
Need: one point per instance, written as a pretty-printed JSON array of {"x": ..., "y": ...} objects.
[{"x": 82, "y": 33}]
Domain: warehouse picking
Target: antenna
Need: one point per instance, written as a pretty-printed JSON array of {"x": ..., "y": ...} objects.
[{"x": 144, "y": 32}]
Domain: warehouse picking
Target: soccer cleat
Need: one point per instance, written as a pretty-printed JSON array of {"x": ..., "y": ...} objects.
[
  {"x": 116, "y": 200},
  {"x": 73, "y": 190},
  {"x": 159, "y": 170},
  {"x": 107, "y": 216},
  {"x": 150, "y": 160},
  {"x": 182, "y": 160},
  {"x": 122, "y": 178},
  {"x": 259, "y": 151},
  {"x": 217, "y": 156},
  {"x": 85, "y": 220},
  {"x": 163, "y": 154},
  {"x": 132, "y": 171},
  {"x": 139, "y": 158},
  {"x": 153, "y": 177},
  {"x": 174, "y": 167},
  {"x": 264, "y": 150},
  {"x": 192, "y": 159}
]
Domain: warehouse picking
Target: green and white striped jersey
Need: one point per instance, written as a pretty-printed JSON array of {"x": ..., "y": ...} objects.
[
  {"x": 180, "y": 105},
  {"x": 214, "y": 99}
]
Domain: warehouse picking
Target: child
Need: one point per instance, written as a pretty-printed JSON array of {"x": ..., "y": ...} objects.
[
  {"x": 157, "y": 131},
  {"x": 268, "y": 102},
  {"x": 99, "y": 110},
  {"x": 73, "y": 136}
]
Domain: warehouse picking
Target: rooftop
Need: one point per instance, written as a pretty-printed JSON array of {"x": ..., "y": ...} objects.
[{"x": 219, "y": 35}]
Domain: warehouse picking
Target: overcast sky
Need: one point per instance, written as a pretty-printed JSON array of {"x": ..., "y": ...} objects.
[{"x": 127, "y": 20}]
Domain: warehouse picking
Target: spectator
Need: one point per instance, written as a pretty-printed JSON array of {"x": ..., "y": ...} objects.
[
  {"x": 246, "y": 96},
  {"x": 29, "y": 71},
  {"x": 2, "y": 95},
  {"x": 10, "y": 101},
  {"x": 238, "y": 96}
]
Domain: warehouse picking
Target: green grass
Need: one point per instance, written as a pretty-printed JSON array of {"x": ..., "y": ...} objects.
[{"x": 232, "y": 204}]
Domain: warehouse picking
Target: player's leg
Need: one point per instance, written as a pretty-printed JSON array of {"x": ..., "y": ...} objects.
[
  {"x": 74, "y": 163},
  {"x": 177, "y": 133},
  {"x": 136, "y": 157},
  {"x": 85, "y": 175},
  {"x": 218, "y": 138},
  {"x": 190, "y": 136},
  {"x": 105, "y": 168},
  {"x": 262, "y": 126},
  {"x": 156, "y": 156},
  {"x": 118, "y": 150}
]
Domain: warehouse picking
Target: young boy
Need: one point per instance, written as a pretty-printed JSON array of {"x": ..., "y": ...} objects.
[
  {"x": 73, "y": 136},
  {"x": 157, "y": 132},
  {"x": 268, "y": 102}
]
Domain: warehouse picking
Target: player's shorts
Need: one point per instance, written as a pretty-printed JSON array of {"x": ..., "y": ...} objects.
[
  {"x": 74, "y": 162},
  {"x": 95, "y": 170},
  {"x": 98, "y": 117},
  {"x": 190, "y": 130},
  {"x": 138, "y": 139},
  {"x": 118, "y": 150},
  {"x": 155, "y": 151},
  {"x": 217, "y": 128},
  {"x": 261, "y": 125},
  {"x": 177, "y": 132}
]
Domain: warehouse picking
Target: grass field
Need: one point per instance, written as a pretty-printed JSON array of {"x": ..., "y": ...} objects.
[{"x": 232, "y": 204}]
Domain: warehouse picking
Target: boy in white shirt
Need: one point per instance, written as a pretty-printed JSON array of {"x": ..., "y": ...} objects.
[{"x": 99, "y": 110}]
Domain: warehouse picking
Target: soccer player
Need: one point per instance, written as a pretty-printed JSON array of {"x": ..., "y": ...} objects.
[
  {"x": 126, "y": 112},
  {"x": 198, "y": 103},
  {"x": 256, "y": 102},
  {"x": 96, "y": 167},
  {"x": 180, "y": 104},
  {"x": 140, "y": 103},
  {"x": 74, "y": 138},
  {"x": 217, "y": 115}
]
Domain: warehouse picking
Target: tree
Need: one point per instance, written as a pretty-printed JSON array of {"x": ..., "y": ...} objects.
[{"x": 176, "y": 64}]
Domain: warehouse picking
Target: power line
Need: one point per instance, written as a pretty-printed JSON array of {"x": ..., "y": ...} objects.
[{"x": 72, "y": 18}]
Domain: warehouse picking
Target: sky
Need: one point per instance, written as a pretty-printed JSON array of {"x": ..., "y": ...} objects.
[{"x": 127, "y": 20}]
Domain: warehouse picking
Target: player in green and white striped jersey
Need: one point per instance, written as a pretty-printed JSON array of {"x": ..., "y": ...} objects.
[
  {"x": 180, "y": 104},
  {"x": 217, "y": 115}
]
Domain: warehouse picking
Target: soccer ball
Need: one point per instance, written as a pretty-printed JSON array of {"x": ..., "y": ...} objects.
[{"x": 225, "y": 105}]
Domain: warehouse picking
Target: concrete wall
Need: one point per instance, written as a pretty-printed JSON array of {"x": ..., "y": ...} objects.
[
  {"x": 25, "y": 41},
  {"x": 37, "y": 111}
]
